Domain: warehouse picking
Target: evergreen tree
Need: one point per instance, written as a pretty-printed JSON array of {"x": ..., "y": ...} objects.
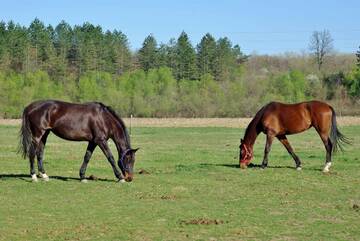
[
  {"x": 185, "y": 64},
  {"x": 148, "y": 54},
  {"x": 358, "y": 58},
  {"x": 41, "y": 40},
  {"x": 167, "y": 54},
  {"x": 206, "y": 55},
  {"x": 224, "y": 59},
  {"x": 4, "y": 56},
  {"x": 17, "y": 44},
  {"x": 62, "y": 43},
  {"x": 227, "y": 59}
]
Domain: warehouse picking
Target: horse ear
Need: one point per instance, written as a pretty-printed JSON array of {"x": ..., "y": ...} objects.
[{"x": 135, "y": 150}]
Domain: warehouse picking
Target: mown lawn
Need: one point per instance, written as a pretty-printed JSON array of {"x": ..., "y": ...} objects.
[{"x": 194, "y": 190}]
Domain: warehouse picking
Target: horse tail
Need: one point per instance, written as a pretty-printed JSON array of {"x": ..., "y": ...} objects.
[
  {"x": 26, "y": 145},
  {"x": 336, "y": 137}
]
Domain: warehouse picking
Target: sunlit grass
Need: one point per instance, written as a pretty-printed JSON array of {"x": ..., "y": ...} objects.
[{"x": 194, "y": 190}]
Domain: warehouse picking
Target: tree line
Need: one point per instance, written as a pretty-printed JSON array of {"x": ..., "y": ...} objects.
[{"x": 214, "y": 78}]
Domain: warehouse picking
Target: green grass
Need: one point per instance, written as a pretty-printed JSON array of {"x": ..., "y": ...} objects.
[{"x": 193, "y": 177}]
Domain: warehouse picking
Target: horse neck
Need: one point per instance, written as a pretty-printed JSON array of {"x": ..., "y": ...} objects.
[
  {"x": 251, "y": 133},
  {"x": 121, "y": 139}
]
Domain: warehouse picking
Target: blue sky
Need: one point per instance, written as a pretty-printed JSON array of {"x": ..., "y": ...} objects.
[{"x": 267, "y": 27}]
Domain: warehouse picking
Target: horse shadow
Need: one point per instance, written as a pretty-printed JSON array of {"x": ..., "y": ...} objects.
[
  {"x": 258, "y": 166},
  {"x": 27, "y": 178}
]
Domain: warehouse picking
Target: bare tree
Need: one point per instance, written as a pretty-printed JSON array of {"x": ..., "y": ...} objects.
[{"x": 321, "y": 44}]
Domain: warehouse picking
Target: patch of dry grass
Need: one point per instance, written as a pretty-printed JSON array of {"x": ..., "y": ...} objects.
[{"x": 196, "y": 122}]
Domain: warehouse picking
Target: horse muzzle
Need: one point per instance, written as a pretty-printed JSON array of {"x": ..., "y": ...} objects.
[
  {"x": 243, "y": 165},
  {"x": 128, "y": 177}
]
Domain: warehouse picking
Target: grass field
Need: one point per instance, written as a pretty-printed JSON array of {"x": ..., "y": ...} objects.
[{"x": 194, "y": 190}]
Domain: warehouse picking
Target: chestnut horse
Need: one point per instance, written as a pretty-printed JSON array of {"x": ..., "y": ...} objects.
[
  {"x": 91, "y": 122},
  {"x": 278, "y": 120}
]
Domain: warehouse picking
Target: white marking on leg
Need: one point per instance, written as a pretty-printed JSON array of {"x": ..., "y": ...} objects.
[
  {"x": 84, "y": 180},
  {"x": 44, "y": 176},
  {"x": 298, "y": 169},
  {"x": 327, "y": 167},
  {"x": 34, "y": 178},
  {"x": 122, "y": 180}
]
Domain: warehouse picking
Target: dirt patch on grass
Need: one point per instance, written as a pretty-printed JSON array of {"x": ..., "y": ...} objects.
[
  {"x": 143, "y": 172},
  {"x": 168, "y": 197},
  {"x": 195, "y": 122},
  {"x": 356, "y": 207},
  {"x": 202, "y": 221}
]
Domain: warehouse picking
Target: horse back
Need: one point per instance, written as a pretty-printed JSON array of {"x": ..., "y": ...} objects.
[
  {"x": 68, "y": 120},
  {"x": 285, "y": 119}
]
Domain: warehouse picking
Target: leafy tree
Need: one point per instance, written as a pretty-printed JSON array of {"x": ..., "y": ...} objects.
[
  {"x": 332, "y": 82},
  {"x": 88, "y": 88},
  {"x": 352, "y": 83}
]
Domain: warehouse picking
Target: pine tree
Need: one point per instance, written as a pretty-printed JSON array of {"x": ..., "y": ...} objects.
[
  {"x": 41, "y": 40},
  {"x": 148, "y": 54},
  {"x": 206, "y": 55},
  {"x": 62, "y": 43},
  {"x": 224, "y": 59},
  {"x": 17, "y": 44},
  {"x": 185, "y": 64},
  {"x": 358, "y": 58},
  {"x": 4, "y": 56}
]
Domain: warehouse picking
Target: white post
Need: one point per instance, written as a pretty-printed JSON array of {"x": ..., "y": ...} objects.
[{"x": 131, "y": 116}]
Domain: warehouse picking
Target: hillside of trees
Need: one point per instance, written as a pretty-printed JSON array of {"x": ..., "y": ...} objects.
[{"x": 210, "y": 79}]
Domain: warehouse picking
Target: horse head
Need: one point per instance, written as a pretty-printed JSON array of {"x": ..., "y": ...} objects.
[
  {"x": 126, "y": 164},
  {"x": 246, "y": 154}
]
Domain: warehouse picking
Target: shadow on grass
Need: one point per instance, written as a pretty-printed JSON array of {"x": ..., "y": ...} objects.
[
  {"x": 258, "y": 166},
  {"x": 26, "y": 177}
]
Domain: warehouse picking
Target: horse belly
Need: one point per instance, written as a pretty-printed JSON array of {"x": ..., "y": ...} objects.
[
  {"x": 72, "y": 131},
  {"x": 296, "y": 123}
]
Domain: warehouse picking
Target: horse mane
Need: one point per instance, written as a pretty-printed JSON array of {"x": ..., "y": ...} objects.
[
  {"x": 119, "y": 120},
  {"x": 254, "y": 122}
]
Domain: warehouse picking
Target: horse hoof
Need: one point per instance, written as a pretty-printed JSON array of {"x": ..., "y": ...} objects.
[
  {"x": 44, "y": 177},
  {"x": 326, "y": 170},
  {"x": 84, "y": 180},
  {"x": 34, "y": 178},
  {"x": 298, "y": 169},
  {"x": 122, "y": 180}
]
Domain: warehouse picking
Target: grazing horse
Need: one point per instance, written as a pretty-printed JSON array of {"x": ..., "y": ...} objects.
[
  {"x": 92, "y": 122},
  {"x": 278, "y": 120}
]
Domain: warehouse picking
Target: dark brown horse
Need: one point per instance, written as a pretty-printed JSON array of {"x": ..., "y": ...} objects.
[
  {"x": 278, "y": 120},
  {"x": 91, "y": 122}
]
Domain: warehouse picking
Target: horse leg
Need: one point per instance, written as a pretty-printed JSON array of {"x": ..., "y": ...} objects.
[
  {"x": 106, "y": 150},
  {"x": 90, "y": 148},
  {"x": 328, "y": 146},
  {"x": 288, "y": 147},
  {"x": 40, "y": 156},
  {"x": 33, "y": 152},
  {"x": 32, "y": 166},
  {"x": 269, "y": 140}
]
